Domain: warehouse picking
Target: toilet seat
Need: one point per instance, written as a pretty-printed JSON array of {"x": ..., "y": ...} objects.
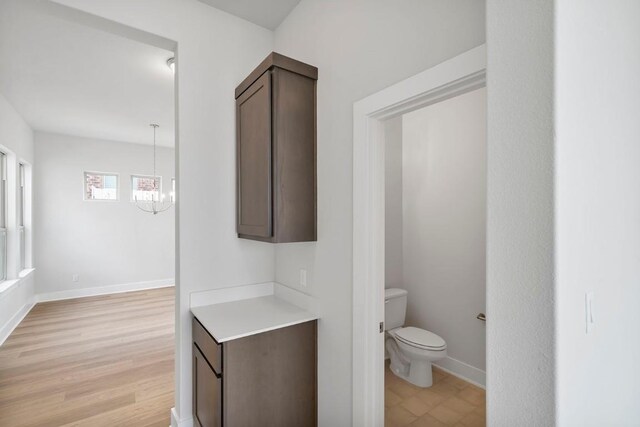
[{"x": 420, "y": 338}]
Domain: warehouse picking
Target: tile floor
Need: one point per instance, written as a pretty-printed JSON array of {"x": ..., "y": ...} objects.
[{"x": 449, "y": 402}]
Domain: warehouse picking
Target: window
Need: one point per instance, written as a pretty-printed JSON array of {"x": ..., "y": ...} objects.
[
  {"x": 145, "y": 188},
  {"x": 21, "y": 209},
  {"x": 3, "y": 216},
  {"x": 100, "y": 186}
]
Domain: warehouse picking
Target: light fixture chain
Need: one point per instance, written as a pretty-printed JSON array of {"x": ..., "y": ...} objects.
[
  {"x": 155, "y": 205},
  {"x": 155, "y": 182}
]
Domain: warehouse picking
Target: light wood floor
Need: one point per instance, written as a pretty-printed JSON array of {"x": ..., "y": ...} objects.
[
  {"x": 450, "y": 401},
  {"x": 97, "y": 361}
]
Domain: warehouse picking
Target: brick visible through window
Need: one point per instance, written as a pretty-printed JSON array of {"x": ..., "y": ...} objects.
[
  {"x": 144, "y": 188},
  {"x": 100, "y": 186}
]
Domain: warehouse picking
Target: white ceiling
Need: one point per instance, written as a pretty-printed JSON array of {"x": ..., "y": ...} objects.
[
  {"x": 67, "y": 78},
  {"x": 266, "y": 13}
]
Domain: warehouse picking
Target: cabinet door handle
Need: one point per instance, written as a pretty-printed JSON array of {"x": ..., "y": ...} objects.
[{"x": 481, "y": 316}]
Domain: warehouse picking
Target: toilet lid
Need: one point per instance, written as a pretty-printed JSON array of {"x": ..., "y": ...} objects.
[{"x": 420, "y": 338}]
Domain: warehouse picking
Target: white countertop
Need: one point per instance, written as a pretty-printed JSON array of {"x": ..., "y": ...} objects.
[{"x": 236, "y": 319}]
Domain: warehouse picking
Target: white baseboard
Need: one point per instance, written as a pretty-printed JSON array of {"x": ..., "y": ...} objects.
[
  {"x": 464, "y": 371},
  {"x": 177, "y": 422},
  {"x": 103, "y": 290},
  {"x": 8, "y": 327}
]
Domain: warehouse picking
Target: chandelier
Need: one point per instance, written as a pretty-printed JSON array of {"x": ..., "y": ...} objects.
[{"x": 157, "y": 203}]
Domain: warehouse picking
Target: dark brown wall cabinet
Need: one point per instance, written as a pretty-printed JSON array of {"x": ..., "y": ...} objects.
[
  {"x": 264, "y": 380},
  {"x": 276, "y": 152}
]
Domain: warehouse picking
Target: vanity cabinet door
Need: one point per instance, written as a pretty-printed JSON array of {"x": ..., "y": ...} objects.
[
  {"x": 270, "y": 378},
  {"x": 253, "y": 127},
  {"x": 207, "y": 392}
]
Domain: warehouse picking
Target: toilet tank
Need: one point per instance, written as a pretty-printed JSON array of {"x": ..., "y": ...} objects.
[{"x": 395, "y": 308}]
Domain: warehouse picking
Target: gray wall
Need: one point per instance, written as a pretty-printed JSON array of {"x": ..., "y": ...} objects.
[
  {"x": 442, "y": 224},
  {"x": 520, "y": 203},
  {"x": 103, "y": 242},
  {"x": 393, "y": 204}
]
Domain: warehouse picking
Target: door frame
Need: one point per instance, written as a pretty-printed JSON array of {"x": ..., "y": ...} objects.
[{"x": 463, "y": 73}]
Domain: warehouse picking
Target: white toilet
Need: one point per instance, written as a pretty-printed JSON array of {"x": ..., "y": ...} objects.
[{"x": 411, "y": 349}]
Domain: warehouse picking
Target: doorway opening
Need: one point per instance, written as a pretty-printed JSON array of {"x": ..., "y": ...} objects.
[
  {"x": 463, "y": 74},
  {"x": 87, "y": 310},
  {"x": 435, "y": 262}
]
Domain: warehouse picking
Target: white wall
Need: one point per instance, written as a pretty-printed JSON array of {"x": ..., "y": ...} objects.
[
  {"x": 444, "y": 222},
  {"x": 359, "y": 48},
  {"x": 16, "y": 139},
  {"x": 598, "y": 211},
  {"x": 215, "y": 52},
  {"x": 104, "y": 242},
  {"x": 15, "y": 133},
  {"x": 520, "y": 234},
  {"x": 393, "y": 203}
]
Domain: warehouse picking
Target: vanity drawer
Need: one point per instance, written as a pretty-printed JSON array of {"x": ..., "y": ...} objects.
[{"x": 210, "y": 349}]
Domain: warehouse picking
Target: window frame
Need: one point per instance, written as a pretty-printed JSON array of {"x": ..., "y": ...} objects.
[
  {"x": 21, "y": 193},
  {"x": 4, "y": 213},
  {"x": 133, "y": 175},
  {"x": 84, "y": 186}
]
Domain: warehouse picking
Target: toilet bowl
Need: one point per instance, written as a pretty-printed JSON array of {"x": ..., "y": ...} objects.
[
  {"x": 411, "y": 349},
  {"x": 411, "y": 360}
]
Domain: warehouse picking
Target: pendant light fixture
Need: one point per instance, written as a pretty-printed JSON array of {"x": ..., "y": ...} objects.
[{"x": 157, "y": 203}]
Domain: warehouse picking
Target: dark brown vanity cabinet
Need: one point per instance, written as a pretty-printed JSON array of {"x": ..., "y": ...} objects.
[
  {"x": 263, "y": 380},
  {"x": 276, "y": 152},
  {"x": 207, "y": 392}
]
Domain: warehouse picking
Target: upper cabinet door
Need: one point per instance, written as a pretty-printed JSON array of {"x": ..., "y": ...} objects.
[
  {"x": 253, "y": 127},
  {"x": 276, "y": 145}
]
